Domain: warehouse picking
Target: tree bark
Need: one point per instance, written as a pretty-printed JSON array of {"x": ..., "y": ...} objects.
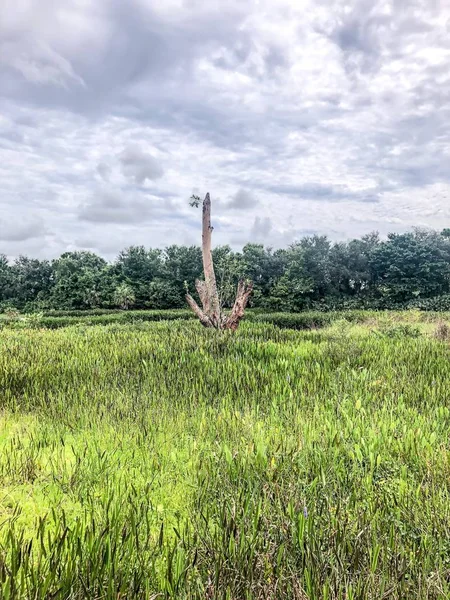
[
  {"x": 242, "y": 296},
  {"x": 203, "y": 294}
]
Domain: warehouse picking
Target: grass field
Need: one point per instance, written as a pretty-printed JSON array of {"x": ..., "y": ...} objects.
[{"x": 161, "y": 460}]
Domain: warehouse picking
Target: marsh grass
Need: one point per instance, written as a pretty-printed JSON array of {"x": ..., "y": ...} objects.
[{"x": 161, "y": 460}]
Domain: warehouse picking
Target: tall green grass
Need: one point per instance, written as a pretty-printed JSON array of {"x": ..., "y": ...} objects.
[
  {"x": 299, "y": 321},
  {"x": 161, "y": 460}
]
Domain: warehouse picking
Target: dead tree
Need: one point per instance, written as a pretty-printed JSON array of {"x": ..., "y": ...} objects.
[{"x": 212, "y": 314}]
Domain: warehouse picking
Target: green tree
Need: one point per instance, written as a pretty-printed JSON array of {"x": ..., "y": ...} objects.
[
  {"x": 163, "y": 294},
  {"x": 181, "y": 264},
  {"x": 307, "y": 277},
  {"x": 124, "y": 296},
  {"x": 312, "y": 273},
  {"x": 138, "y": 267},
  {"x": 412, "y": 265},
  {"x": 350, "y": 271},
  {"x": 264, "y": 267},
  {"x": 6, "y": 281},
  {"x": 32, "y": 281},
  {"x": 79, "y": 281}
]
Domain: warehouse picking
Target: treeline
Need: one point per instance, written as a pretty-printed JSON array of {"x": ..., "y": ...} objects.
[{"x": 405, "y": 270}]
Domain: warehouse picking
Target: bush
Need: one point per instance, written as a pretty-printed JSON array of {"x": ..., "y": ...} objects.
[
  {"x": 400, "y": 330},
  {"x": 306, "y": 320},
  {"x": 15, "y": 320},
  {"x": 81, "y": 313},
  {"x": 442, "y": 332},
  {"x": 105, "y": 318},
  {"x": 438, "y": 304}
]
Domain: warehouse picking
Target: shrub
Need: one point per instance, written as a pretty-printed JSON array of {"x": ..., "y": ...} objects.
[
  {"x": 442, "y": 332},
  {"x": 306, "y": 320},
  {"x": 400, "y": 330},
  {"x": 15, "y": 320}
]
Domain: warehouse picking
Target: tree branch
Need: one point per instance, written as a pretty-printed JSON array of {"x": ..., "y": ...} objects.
[
  {"x": 204, "y": 319},
  {"x": 242, "y": 296}
]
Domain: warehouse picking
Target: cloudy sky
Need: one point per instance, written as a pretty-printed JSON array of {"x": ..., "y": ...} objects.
[{"x": 298, "y": 117}]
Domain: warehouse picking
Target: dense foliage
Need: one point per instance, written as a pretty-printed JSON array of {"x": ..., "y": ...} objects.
[
  {"x": 405, "y": 270},
  {"x": 161, "y": 460}
]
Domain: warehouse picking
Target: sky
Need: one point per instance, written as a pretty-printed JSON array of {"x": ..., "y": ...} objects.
[{"x": 299, "y": 117}]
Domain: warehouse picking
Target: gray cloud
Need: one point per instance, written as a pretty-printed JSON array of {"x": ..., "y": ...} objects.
[
  {"x": 22, "y": 230},
  {"x": 262, "y": 226},
  {"x": 104, "y": 170},
  {"x": 320, "y": 192},
  {"x": 140, "y": 165},
  {"x": 323, "y": 118},
  {"x": 242, "y": 200},
  {"x": 114, "y": 207}
]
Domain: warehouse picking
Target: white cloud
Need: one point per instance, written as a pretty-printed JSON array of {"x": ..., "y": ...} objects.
[{"x": 38, "y": 63}]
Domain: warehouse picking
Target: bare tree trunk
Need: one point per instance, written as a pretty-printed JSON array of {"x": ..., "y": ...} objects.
[
  {"x": 211, "y": 315},
  {"x": 211, "y": 295}
]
